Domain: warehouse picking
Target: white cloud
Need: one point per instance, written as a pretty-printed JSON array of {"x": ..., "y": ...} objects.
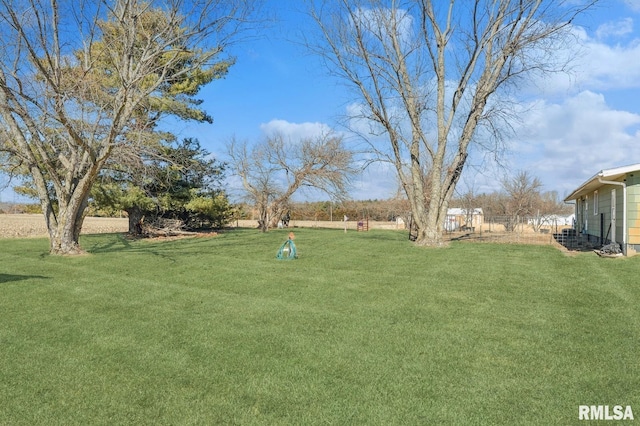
[
  {"x": 615, "y": 29},
  {"x": 377, "y": 182},
  {"x": 563, "y": 143},
  {"x": 594, "y": 63},
  {"x": 295, "y": 131},
  {"x": 611, "y": 67},
  {"x": 566, "y": 143}
]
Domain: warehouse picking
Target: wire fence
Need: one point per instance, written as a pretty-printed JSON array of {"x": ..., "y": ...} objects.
[
  {"x": 503, "y": 229},
  {"x": 509, "y": 229}
]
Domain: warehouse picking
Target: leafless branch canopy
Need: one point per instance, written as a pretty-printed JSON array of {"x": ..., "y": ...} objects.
[
  {"x": 272, "y": 171},
  {"x": 425, "y": 75}
]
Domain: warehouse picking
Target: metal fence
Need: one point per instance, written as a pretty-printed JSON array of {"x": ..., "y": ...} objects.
[{"x": 511, "y": 229}]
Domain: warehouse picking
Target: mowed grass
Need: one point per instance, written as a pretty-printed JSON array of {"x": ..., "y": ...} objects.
[{"x": 364, "y": 328}]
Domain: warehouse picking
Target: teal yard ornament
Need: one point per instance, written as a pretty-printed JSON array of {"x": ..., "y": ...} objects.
[{"x": 288, "y": 249}]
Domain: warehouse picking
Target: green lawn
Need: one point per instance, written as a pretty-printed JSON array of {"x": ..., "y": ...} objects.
[{"x": 363, "y": 329}]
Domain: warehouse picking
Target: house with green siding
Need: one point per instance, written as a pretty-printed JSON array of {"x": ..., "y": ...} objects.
[{"x": 608, "y": 208}]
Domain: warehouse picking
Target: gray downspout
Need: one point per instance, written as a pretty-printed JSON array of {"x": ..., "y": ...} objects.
[{"x": 624, "y": 208}]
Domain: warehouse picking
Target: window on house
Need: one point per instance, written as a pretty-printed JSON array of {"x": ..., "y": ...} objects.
[
  {"x": 595, "y": 202},
  {"x": 586, "y": 204}
]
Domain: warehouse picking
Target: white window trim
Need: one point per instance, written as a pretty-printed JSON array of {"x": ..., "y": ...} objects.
[{"x": 595, "y": 202}]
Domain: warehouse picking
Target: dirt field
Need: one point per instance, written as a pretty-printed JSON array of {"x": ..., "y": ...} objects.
[{"x": 32, "y": 225}]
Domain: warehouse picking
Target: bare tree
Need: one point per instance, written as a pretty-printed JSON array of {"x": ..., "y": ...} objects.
[
  {"x": 80, "y": 80},
  {"x": 272, "y": 171},
  {"x": 522, "y": 197},
  {"x": 426, "y": 74},
  {"x": 548, "y": 208}
]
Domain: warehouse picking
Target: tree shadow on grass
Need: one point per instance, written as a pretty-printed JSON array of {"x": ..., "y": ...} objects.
[
  {"x": 6, "y": 278},
  {"x": 107, "y": 243},
  {"x": 124, "y": 243},
  {"x": 386, "y": 235}
]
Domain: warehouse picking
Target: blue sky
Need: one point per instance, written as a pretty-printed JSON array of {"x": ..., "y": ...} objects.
[{"x": 572, "y": 128}]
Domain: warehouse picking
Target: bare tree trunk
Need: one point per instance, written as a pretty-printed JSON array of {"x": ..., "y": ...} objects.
[
  {"x": 135, "y": 220},
  {"x": 263, "y": 218},
  {"x": 64, "y": 238},
  {"x": 65, "y": 223}
]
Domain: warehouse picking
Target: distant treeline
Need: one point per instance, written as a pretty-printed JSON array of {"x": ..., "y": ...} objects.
[
  {"x": 19, "y": 208},
  {"x": 528, "y": 201},
  {"x": 378, "y": 210}
]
